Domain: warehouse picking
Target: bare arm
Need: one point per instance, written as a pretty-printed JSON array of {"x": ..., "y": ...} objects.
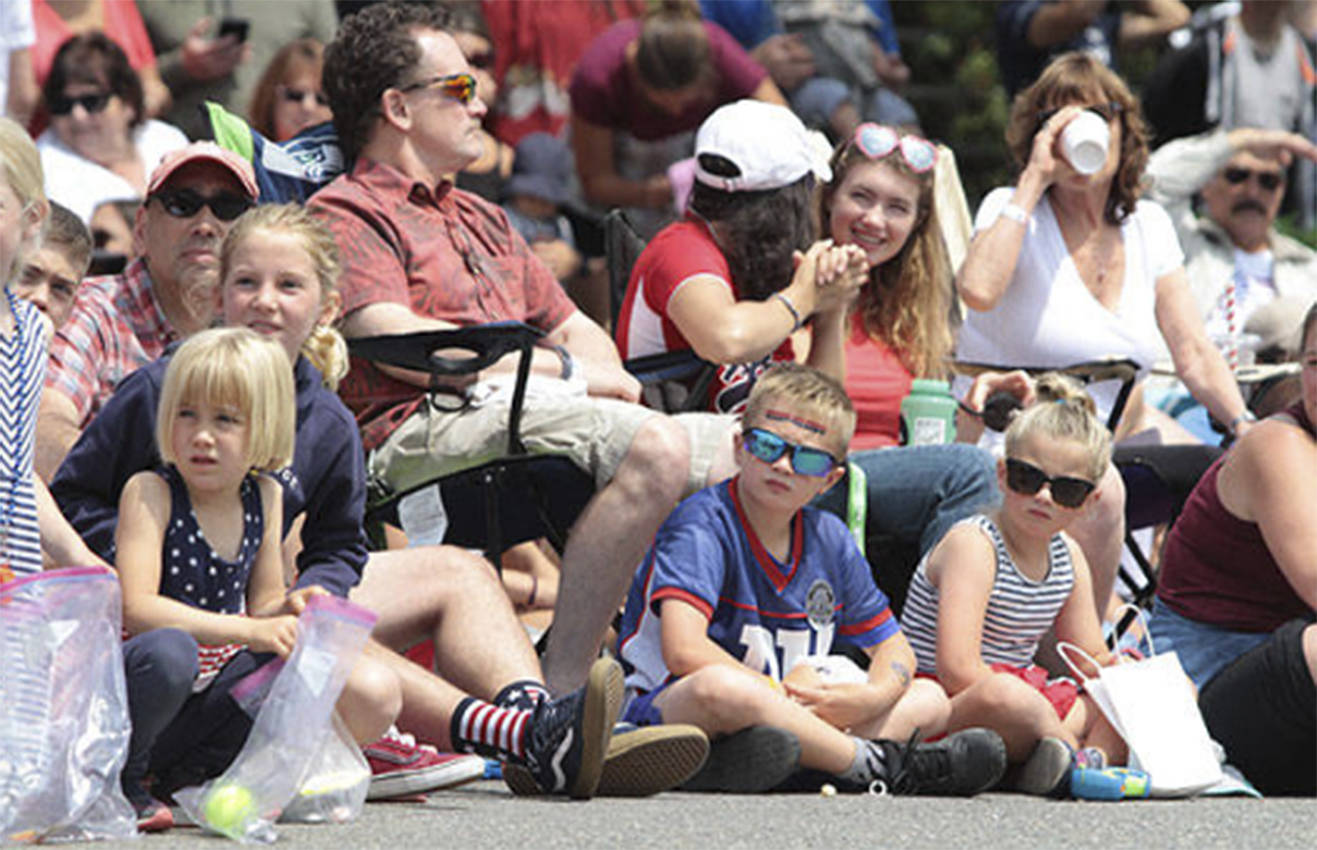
[
  {"x": 58, "y": 539},
  {"x": 58, "y": 427},
  {"x": 1266, "y": 479},
  {"x": 1150, "y": 20},
  {"x": 849, "y": 705},
  {"x": 600, "y": 182},
  {"x": 1077, "y": 621},
  {"x": 990, "y": 262},
  {"x": 23, "y": 94},
  {"x": 684, "y": 639},
  {"x": 768, "y": 92},
  {"x": 1061, "y": 21},
  {"x": 962, "y": 568},
  {"x": 1198, "y": 363}
]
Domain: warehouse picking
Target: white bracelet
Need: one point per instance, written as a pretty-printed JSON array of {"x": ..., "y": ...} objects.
[{"x": 1015, "y": 212}]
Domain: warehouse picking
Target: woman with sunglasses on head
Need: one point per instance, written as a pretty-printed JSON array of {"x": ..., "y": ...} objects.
[
  {"x": 288, "y": 98},
  {"x": 980, "y": 602},
  {"x": 100, "y": 146}
]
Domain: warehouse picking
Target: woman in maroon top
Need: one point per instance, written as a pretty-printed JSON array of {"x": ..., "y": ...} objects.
[{"x": 1238, "y": 591}]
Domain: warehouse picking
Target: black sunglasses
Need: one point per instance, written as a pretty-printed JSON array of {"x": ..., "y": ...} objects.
[
  {"x": 1027, "y": 479},
  {"x": 93, "y": 103},
  {"x": 1268, "y": 180},
  {"x": 299, "y": 96},
  {"x": 185, "y": 203}
]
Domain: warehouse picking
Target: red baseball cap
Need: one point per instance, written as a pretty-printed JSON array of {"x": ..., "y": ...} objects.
[{"x": 204, "y": 152}]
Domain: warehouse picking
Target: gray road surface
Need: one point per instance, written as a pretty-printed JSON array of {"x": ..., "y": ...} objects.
[{"x": 484, "y": 815}]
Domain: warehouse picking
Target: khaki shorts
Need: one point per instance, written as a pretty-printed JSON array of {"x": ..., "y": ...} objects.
[{"x": 595, "y": 434}]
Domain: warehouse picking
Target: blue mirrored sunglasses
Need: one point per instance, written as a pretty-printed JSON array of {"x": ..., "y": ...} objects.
[
  {"x": 877, "y": 141},
  {"x": 805, "y": 460}
]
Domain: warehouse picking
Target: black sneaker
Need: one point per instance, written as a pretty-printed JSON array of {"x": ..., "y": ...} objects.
[
  {"x": 751, "y": 761},
  {"x": 569, "y": 736},
  {"x": 639, "y": 761},
  {"x": 960, "y": 765}
]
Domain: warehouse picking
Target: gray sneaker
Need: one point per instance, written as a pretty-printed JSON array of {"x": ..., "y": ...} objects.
[
  {"x": 1047, "y": 770},
  {"x": 751, "y": 761}
]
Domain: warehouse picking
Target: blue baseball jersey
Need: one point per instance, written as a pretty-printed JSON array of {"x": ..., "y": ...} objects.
[{"x": 766, "y": 613}]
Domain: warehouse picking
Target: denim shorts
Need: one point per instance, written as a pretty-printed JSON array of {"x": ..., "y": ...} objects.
[{"x": 1203, "y": 649}]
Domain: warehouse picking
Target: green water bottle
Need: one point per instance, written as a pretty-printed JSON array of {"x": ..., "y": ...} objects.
[{"x": 928, "y": 414}]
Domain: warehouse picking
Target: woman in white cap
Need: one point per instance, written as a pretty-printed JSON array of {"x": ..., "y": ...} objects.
[{"x": 742, "y": 274}]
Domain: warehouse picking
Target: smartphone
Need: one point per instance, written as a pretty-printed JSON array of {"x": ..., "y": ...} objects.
[{"x": 236, "y": 27}]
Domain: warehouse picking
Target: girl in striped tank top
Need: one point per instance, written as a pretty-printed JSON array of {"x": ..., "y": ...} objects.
[
  {"x": 30, "y": 522},
  {"x": 986, "y": 594}
]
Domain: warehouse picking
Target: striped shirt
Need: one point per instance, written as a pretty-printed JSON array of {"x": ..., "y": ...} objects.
[
  {"x": 22, "y": 372},
  {"x": 1020, "y": 610}
]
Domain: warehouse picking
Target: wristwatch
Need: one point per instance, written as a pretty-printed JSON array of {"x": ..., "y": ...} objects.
[{"x": 1246, "y": 416}]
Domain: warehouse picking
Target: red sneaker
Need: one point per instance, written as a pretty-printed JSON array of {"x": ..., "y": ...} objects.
[
  {"x": 153, "y": 816},
  {"x": 400, "y": 767}
]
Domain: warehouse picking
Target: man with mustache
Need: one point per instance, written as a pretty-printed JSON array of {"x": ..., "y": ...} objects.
[
  {"x": 1237, "y": 262},
  {"x": 125, "y": 321}
]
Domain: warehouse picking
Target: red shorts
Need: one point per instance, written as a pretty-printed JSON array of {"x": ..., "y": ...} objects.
[{"x": 1061, "y": 692}]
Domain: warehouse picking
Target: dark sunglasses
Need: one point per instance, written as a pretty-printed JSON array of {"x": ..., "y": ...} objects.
[
  {"x": 1027, "y": 479},
  {"x": 805, "y": 460},
  {"x": 1268, "y": 181},
  {"x": 483, "y": 61},
  {"x": 1108, "y": 111},
  {"x": 93, "y": 103},
  {"x": 460, "y": 87},
  {"x": 185, "y": 203},
  {"x": 877, "y": 141},
  {"x": 294, "y": 95}
]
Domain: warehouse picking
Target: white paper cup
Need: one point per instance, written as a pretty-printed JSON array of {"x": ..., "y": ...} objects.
[{"x": 1084, "y": 142}]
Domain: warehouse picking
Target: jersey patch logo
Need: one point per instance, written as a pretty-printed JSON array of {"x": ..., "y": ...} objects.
[{"x": 820, "y": 604}]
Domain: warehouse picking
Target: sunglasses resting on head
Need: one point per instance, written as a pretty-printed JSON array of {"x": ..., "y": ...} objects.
[
  {"x": 878, "y": 142},
  {"x": 1026, "y": 479},
  {"x": 805, "y": 460}
]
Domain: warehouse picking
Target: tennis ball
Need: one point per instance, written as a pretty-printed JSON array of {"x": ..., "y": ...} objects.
[{"x": 228, "y": 807}]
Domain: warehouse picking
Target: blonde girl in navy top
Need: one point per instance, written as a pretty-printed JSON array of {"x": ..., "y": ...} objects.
[
  {"x": 199, "y": 553},
  {"x": 981, "y": 600}
]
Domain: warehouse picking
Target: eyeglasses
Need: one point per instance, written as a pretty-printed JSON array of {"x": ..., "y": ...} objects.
[
  {"x": 876, "y": 142},
  {"x": 185, "y": 203},
  {"x": 299, "y": 96},
  {"x": 1027, "y": 479},
  {"x": 1107, "y": 111},
  {"x": 1268, "y": 181},
  {"x": 460, "y": 87},
  {"x": 805, "y": 460},
  {"x": 93, "y": 103}
]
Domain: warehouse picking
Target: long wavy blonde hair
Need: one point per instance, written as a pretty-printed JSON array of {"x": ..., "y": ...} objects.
[{"x": 907, "y": 302}]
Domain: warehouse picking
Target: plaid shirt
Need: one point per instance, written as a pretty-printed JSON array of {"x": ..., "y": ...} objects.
[
  {"x": 445, "y": 254},
  {"x": 116, "y": 327}
]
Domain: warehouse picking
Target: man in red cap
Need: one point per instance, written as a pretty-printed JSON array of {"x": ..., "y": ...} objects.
[{"x": 125, "y": 321}]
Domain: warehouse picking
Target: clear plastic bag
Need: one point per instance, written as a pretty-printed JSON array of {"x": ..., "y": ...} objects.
[
  {"x": 290, "y": 728},
  {"x": 335, "y": 785},
  {"x": 64, "y": 726}
]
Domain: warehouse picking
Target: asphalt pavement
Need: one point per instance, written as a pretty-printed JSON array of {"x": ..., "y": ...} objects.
[{"x": 485, "y": 815}]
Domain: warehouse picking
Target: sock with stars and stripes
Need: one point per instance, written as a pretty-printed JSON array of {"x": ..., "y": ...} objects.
[
  {"x": 524, "y": 694},
  {"x": 486, "y": 729}
]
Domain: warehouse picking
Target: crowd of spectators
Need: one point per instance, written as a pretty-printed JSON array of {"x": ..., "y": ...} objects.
[{"x": 318, "y": 172}]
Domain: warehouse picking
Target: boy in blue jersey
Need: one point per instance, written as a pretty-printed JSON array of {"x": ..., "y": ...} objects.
[{"x": 744, "y": 592}]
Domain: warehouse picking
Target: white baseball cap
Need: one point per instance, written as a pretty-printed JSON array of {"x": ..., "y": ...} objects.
[{"x": 766, "y": 142}]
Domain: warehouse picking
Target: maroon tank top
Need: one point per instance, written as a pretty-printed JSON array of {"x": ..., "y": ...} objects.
[{"x": 1217, "y": 569}]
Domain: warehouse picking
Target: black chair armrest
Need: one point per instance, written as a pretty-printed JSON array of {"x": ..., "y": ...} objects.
[
  {"x": 460, "y": 351},
  {"x": 1121, "y": 369}
]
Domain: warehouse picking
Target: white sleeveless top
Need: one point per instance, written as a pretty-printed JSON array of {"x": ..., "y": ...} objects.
[
  {"x": 1049, "y": 318},
  {"x": 1020, "y": 610}
]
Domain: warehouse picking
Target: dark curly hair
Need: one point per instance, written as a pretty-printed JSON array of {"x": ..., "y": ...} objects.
[
  {"x": 94, "y": 59},
  {"x": 757, "y": 231},
  {"x": 375, "y": 49},
  {"x": 1078, "y": 78}
]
